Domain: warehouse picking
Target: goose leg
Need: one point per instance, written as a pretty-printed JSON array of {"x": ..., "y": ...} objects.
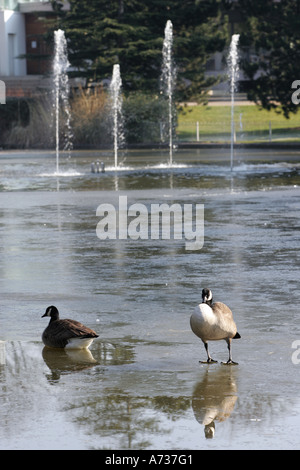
[
  {"x": 209, "y": 358},
  {"x": 230, "y": 361}
]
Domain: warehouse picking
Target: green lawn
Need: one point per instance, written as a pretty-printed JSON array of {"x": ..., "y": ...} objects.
[{"x": 251, "y": 124}]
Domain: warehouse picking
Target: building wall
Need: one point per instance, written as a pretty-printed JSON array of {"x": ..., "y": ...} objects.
[
  {"x": 39, "y": 52},
  {"x": 21, "y": 33},
  {"x": 12, "y": 40}
]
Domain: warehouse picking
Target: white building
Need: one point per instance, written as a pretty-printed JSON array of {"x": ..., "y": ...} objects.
[
  {"x": 20, "y": 33},
  {"x": 12, "y": 40}
]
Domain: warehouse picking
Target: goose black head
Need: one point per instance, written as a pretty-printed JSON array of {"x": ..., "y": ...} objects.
[
  {"x": 51, "y": 312},
  {"x": 207, "y": 296}
]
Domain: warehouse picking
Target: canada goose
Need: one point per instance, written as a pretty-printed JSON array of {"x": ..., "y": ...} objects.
[
  {"x": 212, "y": 322},
  {"x": 66, "y": 333}
]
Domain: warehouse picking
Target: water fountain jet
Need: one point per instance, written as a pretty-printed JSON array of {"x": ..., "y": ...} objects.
[
  {"x": 168, "y": 78},
  {"x": 62, "y": 90},
  {"x": 233, "y": 68},
  {"x": 116, "y": 109}
]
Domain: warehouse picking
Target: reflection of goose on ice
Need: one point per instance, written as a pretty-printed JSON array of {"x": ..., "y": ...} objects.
[
  {"x": 66, "y": 333},
  {"x": 67, "y": 360},
  {"x": 214, "y": 398},
  {"x": 212, "y": 322}
]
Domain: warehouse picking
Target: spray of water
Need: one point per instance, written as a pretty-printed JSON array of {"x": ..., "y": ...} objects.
[
  {"x": 62, "y": 90},
  {"x": 115, "y": 90},
  {"x": 168, "y": 79},
  {"x": 233, "y": 68}
]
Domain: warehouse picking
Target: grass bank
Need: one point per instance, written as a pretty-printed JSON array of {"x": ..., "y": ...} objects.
[{"x": 251, "y": 124}]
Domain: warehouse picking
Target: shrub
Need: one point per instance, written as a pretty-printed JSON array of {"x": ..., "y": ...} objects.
[
  {"x": 36, "y": 130},
  {"x": 90, "y": 118},
  {"x": 144, "y": 118},
  {"x": 31, "y": 123}
]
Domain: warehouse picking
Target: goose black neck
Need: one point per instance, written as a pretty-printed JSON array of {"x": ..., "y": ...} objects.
[
  {"x": 54, "y": 313},
  {"x": 54, "y": 317}
]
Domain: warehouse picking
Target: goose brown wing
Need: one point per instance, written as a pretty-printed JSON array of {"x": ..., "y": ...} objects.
[
  {"x": 225, "y": 318},
  {"x": 221, "y": 309},
  {"x": 77, "y": 329}
]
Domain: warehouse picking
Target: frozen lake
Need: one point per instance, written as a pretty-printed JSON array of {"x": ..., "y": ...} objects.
[{"x": 141, "y": 385}]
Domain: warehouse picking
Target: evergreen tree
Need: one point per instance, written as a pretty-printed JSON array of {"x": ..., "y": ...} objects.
[
  {"x": 101, "y": 33},
  {"x": 273, "y": 31}
]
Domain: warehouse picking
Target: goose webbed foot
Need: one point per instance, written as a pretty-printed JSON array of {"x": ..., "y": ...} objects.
[
  {"x": 230, "y": 362},
  {"x": 208, "y": 361}
]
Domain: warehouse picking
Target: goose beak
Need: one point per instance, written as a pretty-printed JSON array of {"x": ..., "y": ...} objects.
[{"x": 44, "y": 315}]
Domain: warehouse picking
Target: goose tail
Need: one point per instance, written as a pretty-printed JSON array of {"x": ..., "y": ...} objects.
[{"x": 237, "y": 336}]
